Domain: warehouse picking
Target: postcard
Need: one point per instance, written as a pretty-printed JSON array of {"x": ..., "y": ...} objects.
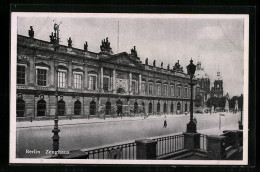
[{"x": 129, "y": 88}]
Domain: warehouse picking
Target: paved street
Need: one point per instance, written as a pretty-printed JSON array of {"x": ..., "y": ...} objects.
[{"x": 88, "y": 133}]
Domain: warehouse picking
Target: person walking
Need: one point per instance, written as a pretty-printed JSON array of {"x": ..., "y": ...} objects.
[{"x": 165, "y": 122}]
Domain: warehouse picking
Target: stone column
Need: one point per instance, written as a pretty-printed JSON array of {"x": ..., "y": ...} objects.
[
  {"x": 146, "y": 149},
  {"x": 32, "y": 80},
  {"x": 140, "y": 84},
  {"x": 215, "y": 147},
  {"x": 69, "y": 75},
  {"x": 114, "y": 81},
  {"x": 130, "y": 83},
  {"x": 101, "y": 78},
  {"x": 85, "y": 78}
]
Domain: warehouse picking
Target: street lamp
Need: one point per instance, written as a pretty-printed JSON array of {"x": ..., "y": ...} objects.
[
  {"x": 191, "y": 126},
  {"x": 56, "y": 129}
]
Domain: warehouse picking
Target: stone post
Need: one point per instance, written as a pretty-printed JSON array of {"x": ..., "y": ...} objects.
[
  {"x": 146, "y": 149},
  {"x": 191, "y": 141},
  {"x": 215, "y": 147}
]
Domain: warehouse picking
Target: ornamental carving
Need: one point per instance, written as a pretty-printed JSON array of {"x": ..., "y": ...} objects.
[
  {"x": 121, "y": 83},
  {"x": 22, "y": 59}
]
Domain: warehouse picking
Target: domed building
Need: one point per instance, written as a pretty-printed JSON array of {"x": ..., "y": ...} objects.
[{"x": 203, "y": 86}]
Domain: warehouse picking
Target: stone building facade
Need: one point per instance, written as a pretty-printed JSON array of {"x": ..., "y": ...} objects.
[{"x": 88, "y": 84}]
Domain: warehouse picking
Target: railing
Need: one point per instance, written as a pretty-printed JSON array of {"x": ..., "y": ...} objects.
[
  {"x": 123, "y": 151},
  {"x": 169, "y": 144},
  {"x": 203, "y": 142}
]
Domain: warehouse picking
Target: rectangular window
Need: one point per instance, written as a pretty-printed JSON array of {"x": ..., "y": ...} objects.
[
  {"x": 179, "y": 91},
  {"x": 20, "y": 75},
  {"x": 105, "y": 84},
  {"x": 158, "y": 88},
  {"x": 150, "y": 91},
  {"x": 143, "y": 87},
  {"x": 61, "y": 79},
  {"x": 133, "y": 87},
  {"x": 41, "y": 77},
  {"x": 186, "y": 92},
  {"x": 92, "y": 82},
  {"x": 77, "y": 81},
  {"x": 165, "y": 89},
  {"x": 172, "y": 90}
]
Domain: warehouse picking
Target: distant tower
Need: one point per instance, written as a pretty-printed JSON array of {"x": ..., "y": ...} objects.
[{"x": 217, "y": 89}]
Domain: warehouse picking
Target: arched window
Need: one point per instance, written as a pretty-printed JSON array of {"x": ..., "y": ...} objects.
[
  {"x": 143, "y": 107},
  {"x": 120, "y": 91},
  {"x": 61, "y": 107},
  {"x": 179, "y": 106},
  {"x": 135, "y": 107},
  {"x": 108, "y": 108},
  {"x": 165, "y": 108},
  {"x": 186, "y": 107},
  {"x": 119, "y": 105},
  {"x": 92, "y": 108},
  {"x": 77, "y": 107},
  {"x": 150, "y": 107},
  {"x": 41, "y": 107},
  {"x": 158, "y": 107},
  {"x": 172, "y": 108},
  {"x": 20, "y": 107}
]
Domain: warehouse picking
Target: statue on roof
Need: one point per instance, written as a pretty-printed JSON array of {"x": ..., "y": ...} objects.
[
  {"x": 154, "y": 63},
  {"x": 105, "y": 46},
  {"x": 146, "y": 61},
  {"x": 69, "y": 42},
  {"x": 168, "y": 67},
  {"x": 54, "y": 37},
  {"x": 162, "y": 65},
  {"x": 86, "y": 46},
  {"x": 134, "y": 52},
  {"x": 31, "y": 32},
  {"x": 177, "y": 67}
]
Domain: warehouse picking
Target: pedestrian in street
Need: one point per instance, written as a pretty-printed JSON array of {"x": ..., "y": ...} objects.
[{"x": 165, "y": 122}]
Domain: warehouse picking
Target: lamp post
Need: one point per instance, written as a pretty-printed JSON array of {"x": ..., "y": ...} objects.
[
  {"x": 191, "y": 126},
  {"x": 56, "y": 129}
]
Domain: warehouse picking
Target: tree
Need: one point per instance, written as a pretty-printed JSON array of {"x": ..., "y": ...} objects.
[
  {"x": 240, "y": 102},
  {"x": 232, "y": 101}
]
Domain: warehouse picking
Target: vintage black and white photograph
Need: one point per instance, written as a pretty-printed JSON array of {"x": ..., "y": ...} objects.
[{"x": 92, "y": 88}]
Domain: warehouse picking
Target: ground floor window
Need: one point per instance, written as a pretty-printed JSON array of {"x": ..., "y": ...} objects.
[
  {"x": 158, "y": 107},
  {"x": 41, "y": 107},
  {"x": 135, "y": 107},
  {"x": 165, "y": 108},
  {"x": 186, "y": 107},
  {"x": 178, "y": 106},
  {"x": 61, "y": 107},
  {"x": 119, "y": 105},
  {"x": 77, "y": 107},
  {"x": 92, "y": 108},
  {"x": 108, "y": 108},
  {"x": 20, "y": 107},
  {"x": 150, "y": 107},
  {"x": 171, "y": 107}
]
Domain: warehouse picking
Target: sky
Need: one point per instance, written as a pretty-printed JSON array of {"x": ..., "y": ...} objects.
[{"x": 216, "y": 42}]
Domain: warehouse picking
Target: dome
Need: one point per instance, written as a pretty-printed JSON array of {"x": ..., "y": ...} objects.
[{"x": 199, "y": 74}]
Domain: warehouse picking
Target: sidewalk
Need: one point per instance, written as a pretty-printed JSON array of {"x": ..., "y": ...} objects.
[{"x": 45, "y": 123}]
